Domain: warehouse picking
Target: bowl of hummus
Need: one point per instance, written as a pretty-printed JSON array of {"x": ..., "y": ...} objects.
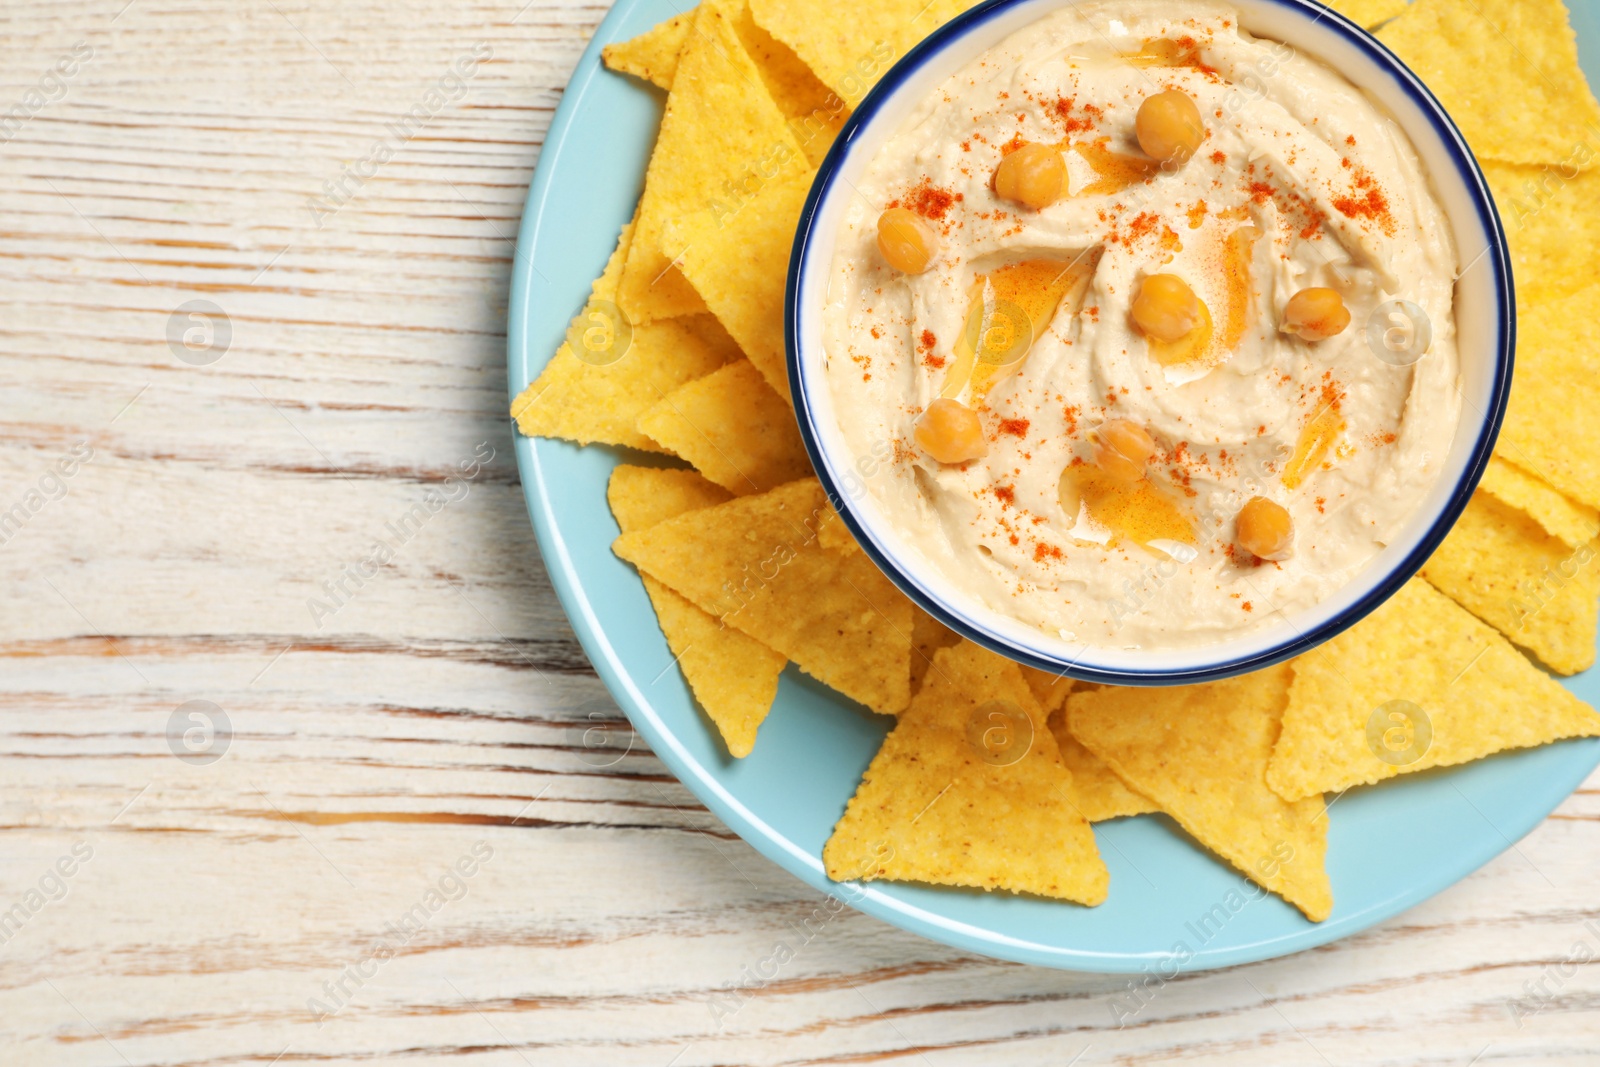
[{"x": 1150, "y": 341}]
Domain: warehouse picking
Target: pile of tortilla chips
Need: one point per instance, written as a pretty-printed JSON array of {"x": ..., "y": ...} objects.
[{"x": 994, "y": 773}]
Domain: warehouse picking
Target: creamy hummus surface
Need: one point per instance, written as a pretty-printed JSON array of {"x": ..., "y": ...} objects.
[{"x": 1024, "y": 317}]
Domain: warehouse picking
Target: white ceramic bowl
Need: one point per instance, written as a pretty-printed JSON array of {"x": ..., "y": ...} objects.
[{"x": 1485, "y": 319}]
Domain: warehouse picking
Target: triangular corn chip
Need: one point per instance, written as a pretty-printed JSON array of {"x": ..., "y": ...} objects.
[
  {"x": 814, "y": 112},
  {"x": 609, "y": 371},
  {"x": 1097, "y": 792},
  {"x": 835, "y": 535},
  {"x": 968, "y": 790},
  {"x": 738, "y": 263},
  {"x": 1508, "y": 72},
  {"x": 1200, "y": 753},
  {"x": 851, "y": 45},
  {"x": 1542, "y": 593},
  {"x": 722, "y": 141},
  {"x": 756, "y": 564},
  {"x": 1572, "y": 523},
  {"x": 733, "y": 428},
  {"x": 1552, "y": 222},
  {"x": 653, "y": 55},
  {"x": 1550, "y": 428},
  {"x": 1419, "y": 684},
  {"x": 1369, "y": 13},
  {"x": 733, "y": 676},
  {"x": 1050, "y": 690},
  {"x": 928, "y": 636},
  {"x": 642, "y": 497}
]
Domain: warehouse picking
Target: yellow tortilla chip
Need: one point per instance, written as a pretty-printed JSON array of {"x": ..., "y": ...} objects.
[
  {"x": 738, "y": 263},
  {"x": 722, "y": 141},
  {"x": 756, "y": 564},
  {"x": 609, "y": 371},
  {"x": 1550, "y": 429},
  {"x": 1502, "y": 566},
  {"x": 851, "y": 45},
  {"x": 653, "y": 55},
  {"x": 1552, "y": 223},
  {"x": 835, "y": 535},
  {"x": 928, "y": 636},
  {"x": 1050, "y": 690},
  {"x": 1097, "y": 792},
  {"x": 732, "y": 675},
  {"x": 1200, "y": 753},
  {"x": 1418, "y": 684},
  {"x": 733, "y": 428},
  {"x": 641, "y": 497},
  {"x": 1572, "y": 523},
  {"x": 1369, "y": 13},
  {"x": 815, "y": 113},
  {"x": 969, "y": 790},
  {"x": 1508, "y": 72}
]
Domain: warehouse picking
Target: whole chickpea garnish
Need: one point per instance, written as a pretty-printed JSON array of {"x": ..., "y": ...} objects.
[
  {"x": 1266, "y": 530},
  {"x": 907, "y": 241},
  {"x": 950, "y": 432},
  {"x": 1169, "y": 128},
  {"x": 1034, "y": 176}
]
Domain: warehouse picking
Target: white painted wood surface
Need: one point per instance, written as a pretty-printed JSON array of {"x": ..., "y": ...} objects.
[{"x": 272, "y": 906}]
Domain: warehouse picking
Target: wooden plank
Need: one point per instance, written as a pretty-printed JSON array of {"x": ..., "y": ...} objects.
[{"x": 273, "y": 906}]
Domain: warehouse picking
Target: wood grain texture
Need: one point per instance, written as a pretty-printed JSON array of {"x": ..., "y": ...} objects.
[{"x": 274, "y": 906}]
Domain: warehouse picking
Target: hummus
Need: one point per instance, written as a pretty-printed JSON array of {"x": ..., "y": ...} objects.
[{"x": 1025, "y": 317}]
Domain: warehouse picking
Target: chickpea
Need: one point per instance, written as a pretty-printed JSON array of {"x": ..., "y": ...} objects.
[
  {"x": 1123, "y": 450},
  {"x": 1316, "y": 314},
  {"x": 1266, "y": 530},
  {"x": 906, "y": 240},
  {"x": 951, "y": 433},
  {"x": 1034, "y": 176},
  {"x": 1168, "y": 127},
  {"x": 1166, "y": 308}
]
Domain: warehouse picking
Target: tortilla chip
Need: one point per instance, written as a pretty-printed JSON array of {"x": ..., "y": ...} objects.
[
  {"x": 935, "y": 806},
  {"x": 641, "y": 497},
  {"x": 1097, "y": 792},
  {"x": 1502, "y": 566},
  {"x": 1552, "y": 224},
  {"x": 733, "y": 428},
  {"x": 814, "y": 112},
  {"x": 608, "y": 372},
  {"x": 1572, "y": 523},
  {"x": 653, "y": 55},
  {"x": 755, "y": 563},
  {"x": 835, "y": 535},
  {"x": 850, "y": 45},
  {"x": 738, "y": 263},
  {"x": 1200, "y": 753},
  {"x": 928, "y": 636},
  {"x": 722, "y": 141},
  {"x": 1550, "y": 429},
  {"x": 1508, "y": 72},
  {"x": 733, "y": 676},
  {"x": 1419, "y": 684},
  {"x": 1050, "y": 690},
  {"x": 1369, "y": 14}
]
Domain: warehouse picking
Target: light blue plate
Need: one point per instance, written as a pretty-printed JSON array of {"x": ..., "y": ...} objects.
[{"x": 1172, "y": 907}]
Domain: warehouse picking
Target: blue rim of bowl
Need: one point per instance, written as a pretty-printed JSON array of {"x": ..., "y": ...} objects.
[{"x": 1498, "y": 254}]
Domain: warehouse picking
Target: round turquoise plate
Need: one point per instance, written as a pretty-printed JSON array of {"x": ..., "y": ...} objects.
[{"x": 1172, "y": 906}]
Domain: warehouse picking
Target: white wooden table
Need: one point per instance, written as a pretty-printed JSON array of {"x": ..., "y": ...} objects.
[{"x": 298, "y": 900}]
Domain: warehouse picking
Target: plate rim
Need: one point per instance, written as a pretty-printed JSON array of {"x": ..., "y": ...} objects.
[{"x": 523, "y": 366}]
